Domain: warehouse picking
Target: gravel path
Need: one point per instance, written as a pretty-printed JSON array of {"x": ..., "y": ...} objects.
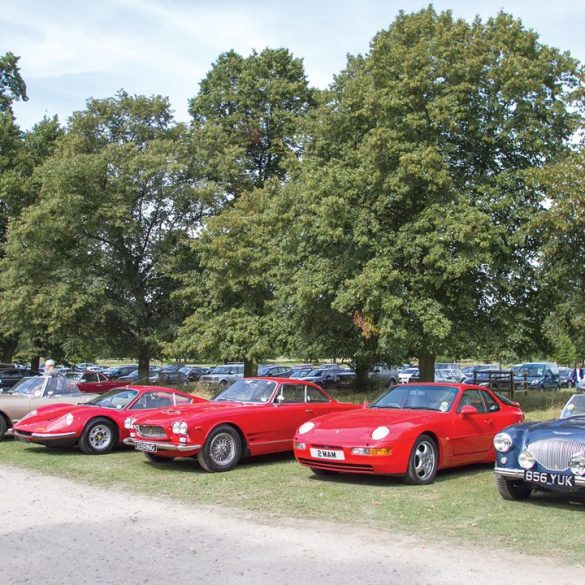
[{"x": 55, "y": 531}]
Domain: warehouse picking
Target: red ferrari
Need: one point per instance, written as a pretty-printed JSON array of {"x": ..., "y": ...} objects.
[
  {"x": 252, "y": 416},
  {"x": 412, "y": 430},
  {"x": 100, "y": 424}
]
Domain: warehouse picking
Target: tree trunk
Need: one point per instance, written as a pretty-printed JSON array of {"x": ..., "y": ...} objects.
[
  {"x": 35, "y": 363},
  {"x": 426, "y": 366},
  {"x": 250, "y": 367},
  {"x": 143, "y": 362},
  {"x": 8, "y": 347},
  {"x": 362, "y": 367}
]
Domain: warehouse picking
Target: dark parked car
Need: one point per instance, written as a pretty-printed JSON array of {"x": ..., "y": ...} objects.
[
  {"x": 10, "y": 376},
  {"x": 132, "y": 378},
  {"x": 172, "y": 377},
  {"x": 565, "y": 378},
  {"x": 274, "y": 371},
  {"x": 538, "y": 376},
  {"x": 194, "y": 373},
  {"x": 548, "y": 455},
  {"x": 119, "y": 371}
]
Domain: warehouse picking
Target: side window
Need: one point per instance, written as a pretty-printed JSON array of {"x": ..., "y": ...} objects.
[
  {"x": 490, "y": 401},
  {"x": 90, "y": 377},
  {"x": 472, "y": 398},
  {"x": 181, "y": 399},
  {"x": 313, "y": 395},
  {"x": 153, "y": 400},
  {"x": 293, "y": 393}
]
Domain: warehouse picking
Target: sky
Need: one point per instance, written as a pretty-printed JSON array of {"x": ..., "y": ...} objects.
[{"x": 71, "y": 50}]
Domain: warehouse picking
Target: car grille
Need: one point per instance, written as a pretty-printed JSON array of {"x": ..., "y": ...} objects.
[
  {"x": 555, "y": 454},
  {"x": 337, "y": 466},
  {"x": 151, "y": 431}
]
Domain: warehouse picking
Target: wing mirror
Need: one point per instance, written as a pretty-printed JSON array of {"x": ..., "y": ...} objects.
[
  {"x": 279, "y": 400},
  {"x": 468, "y": 409}
]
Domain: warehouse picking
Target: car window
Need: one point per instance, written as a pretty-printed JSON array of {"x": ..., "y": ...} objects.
[
  {"x": 153, "y": 400},
  {"x": 314, "y": 395},
  {"x": 182, "y": 399},
  {"x": 292, "y": 393},
  {"x": 472, "y": 398},
  {"x": 490, "y": 401}
]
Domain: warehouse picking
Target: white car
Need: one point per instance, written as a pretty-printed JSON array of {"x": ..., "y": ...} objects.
[{"x": 405, "y": 376}]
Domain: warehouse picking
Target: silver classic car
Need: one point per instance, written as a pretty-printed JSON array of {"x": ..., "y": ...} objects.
[{"x": 30, "y": 393}]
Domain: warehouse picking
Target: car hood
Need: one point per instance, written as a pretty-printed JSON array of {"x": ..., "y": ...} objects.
[
  {"x": 564, "y": 428},
  {"x": 188, "y": 411},
  {"x": 358, "y": 424}
]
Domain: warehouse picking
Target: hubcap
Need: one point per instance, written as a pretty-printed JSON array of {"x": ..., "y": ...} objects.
[
  {"x": 424, "y": 460},
  {"x": 222, "y": 449},
  {"x": 100, "y": 437}
]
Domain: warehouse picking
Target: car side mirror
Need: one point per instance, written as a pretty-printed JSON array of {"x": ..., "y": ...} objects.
[
  {"x": 468, "y": 409},
  {"x": 279, "y": 400}
]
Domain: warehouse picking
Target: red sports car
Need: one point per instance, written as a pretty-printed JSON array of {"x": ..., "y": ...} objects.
[
  {"x": 252, "y": 416},
  {"x": 412, "y": 430},
  {"x": 100, "y": 424},
  {"x": 92, "y": 382}
]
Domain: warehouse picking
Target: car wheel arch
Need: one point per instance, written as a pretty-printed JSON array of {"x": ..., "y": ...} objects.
[
  {"x": 437, "y": 442},
  {"x": 7, "y": 422}
]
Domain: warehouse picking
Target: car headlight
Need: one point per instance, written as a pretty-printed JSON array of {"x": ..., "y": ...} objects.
[
  {"x": 30, "y": 414},
  {"x": 180, "y": 428},
  {"x": 526, "y": 460},
  {"x": 502, "y": 442},
  {"x": 306, "y": 427},
  {"x": 577, "y": 465},
  {"x": 129, "y": 422},
  {"x": 535, "y": 382},
  {"x": 380, "y": 433}
]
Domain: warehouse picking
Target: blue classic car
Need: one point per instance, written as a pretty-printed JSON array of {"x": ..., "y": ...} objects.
[{"x": 548, "y": 455}]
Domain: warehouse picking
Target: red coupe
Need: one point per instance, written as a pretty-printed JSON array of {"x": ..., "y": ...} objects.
[
  {"x": 252, "y": 416},
  {"x": 412, "y": 430},
  {"x": 100, "y": 424},
  {"x": 92, "y": 382}
]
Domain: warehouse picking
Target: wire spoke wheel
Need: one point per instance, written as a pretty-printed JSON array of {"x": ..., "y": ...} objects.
[{"x": 222, "y": 449}]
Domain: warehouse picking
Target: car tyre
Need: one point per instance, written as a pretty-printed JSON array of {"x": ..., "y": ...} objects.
[
  {"x": 158, "y": 458},
  {"x": 512, "y": 489},
  {"x": 3, "y": 427},
  {"x": 222, "y": 450},
  {"x": 99, "y": 437},
  {"x": 423, "y": 462}
]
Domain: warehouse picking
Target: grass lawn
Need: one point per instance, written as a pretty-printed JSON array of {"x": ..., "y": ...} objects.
[{"x": 462, "y": 506}]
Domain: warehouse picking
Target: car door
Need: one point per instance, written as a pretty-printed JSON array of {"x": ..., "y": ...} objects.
[{"x": 473, "y": 432}]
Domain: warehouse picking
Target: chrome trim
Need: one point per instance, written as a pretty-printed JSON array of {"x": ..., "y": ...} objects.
[
  {"x": 514, "y": 473},
  {"x": 274, "y": 442},
  {"x": 555, "y": 454},
  {"x": 162, "y": 446},
  {"x": 52, "y": 435}
]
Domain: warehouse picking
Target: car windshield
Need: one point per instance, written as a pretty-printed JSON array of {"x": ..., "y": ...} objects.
[
  {"x": 258, "y": 391},
  {"x": 117, "y": 398},
  {"x": 30, "y": 386},
  {"x": 221, "y": 370},
  {"x": 532, "y": 370},
  {"x": 300, "y": 373},
  {"x": 574, "y": 407},
  {"x": 417, "y": 397},
  {"x": 410, "y": 371},
  {"x": 315, "y": 373}
]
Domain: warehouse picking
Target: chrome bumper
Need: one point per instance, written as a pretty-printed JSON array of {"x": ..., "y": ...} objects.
[
  {"x": 163, "y": 446},
  {"x": 519, "y": 474}
]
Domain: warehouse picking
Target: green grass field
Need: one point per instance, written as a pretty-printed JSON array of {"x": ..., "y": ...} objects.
[{"x": 462, "y": 506}]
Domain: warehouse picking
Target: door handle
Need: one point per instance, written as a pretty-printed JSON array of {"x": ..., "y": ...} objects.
[{"x": 309, "y": 410}]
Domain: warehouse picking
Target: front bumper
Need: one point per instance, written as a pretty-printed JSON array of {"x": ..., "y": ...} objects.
[
  {"x": 519, "y": 474},
  {"x": 163, "y": 446}
]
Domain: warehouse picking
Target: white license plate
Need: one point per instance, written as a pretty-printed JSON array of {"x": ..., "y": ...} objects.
[
  {"x": 327, "y": 454},
  {"x": 145, "y": 446}
]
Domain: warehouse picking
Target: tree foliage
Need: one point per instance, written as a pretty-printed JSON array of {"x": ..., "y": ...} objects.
[{"x": 12, "y": 86}]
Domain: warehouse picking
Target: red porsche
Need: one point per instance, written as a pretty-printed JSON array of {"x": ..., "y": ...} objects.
[
  {"x": 252, "y": 416},
  {"x": 100, "y": 424},
  {"x": 412, "y": 430}
]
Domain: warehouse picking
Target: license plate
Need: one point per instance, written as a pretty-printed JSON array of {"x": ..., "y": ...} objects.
[
  {"x": 145, "y": 446},
  {"x": 327, "y": 454},
  {"x": 550, "y": 479}
]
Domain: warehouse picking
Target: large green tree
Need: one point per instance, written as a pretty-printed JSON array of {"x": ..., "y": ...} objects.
[
  {"x": 12, "y": 86},
  {"x": 247, "y": 127},
  {"x": 413, "y": 204},
  {"x": 87, "y": 264}
]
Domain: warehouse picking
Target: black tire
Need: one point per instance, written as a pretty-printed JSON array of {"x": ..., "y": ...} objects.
[
  {"x": 99, "y": 436},
  {"x": 323, "y": 471},
  {"x": 512, "y": 489},
  {"x": 221, "y": 386},
  {"x": 222, "y": 450},
  {"x": 158, "y": 458},
  {"x": 423, "y": 462},
  {"x": 3, "y": 427}
]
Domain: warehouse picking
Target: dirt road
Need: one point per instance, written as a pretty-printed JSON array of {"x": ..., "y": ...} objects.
[{"x": 57, "y": 532}]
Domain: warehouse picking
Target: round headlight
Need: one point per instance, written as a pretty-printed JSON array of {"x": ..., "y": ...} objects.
[
  {"x": 176, "y": 426},
  {"x": 503, "y": 442},
  {"x": 306, "y": 427},
  {"x": 577, "y": 465},
  {"x": 183, "y": 428},
  {"x": 526, "y": 460},
  {"x": 68, "y": 419},
  {"x": 380, "y": 433}
]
